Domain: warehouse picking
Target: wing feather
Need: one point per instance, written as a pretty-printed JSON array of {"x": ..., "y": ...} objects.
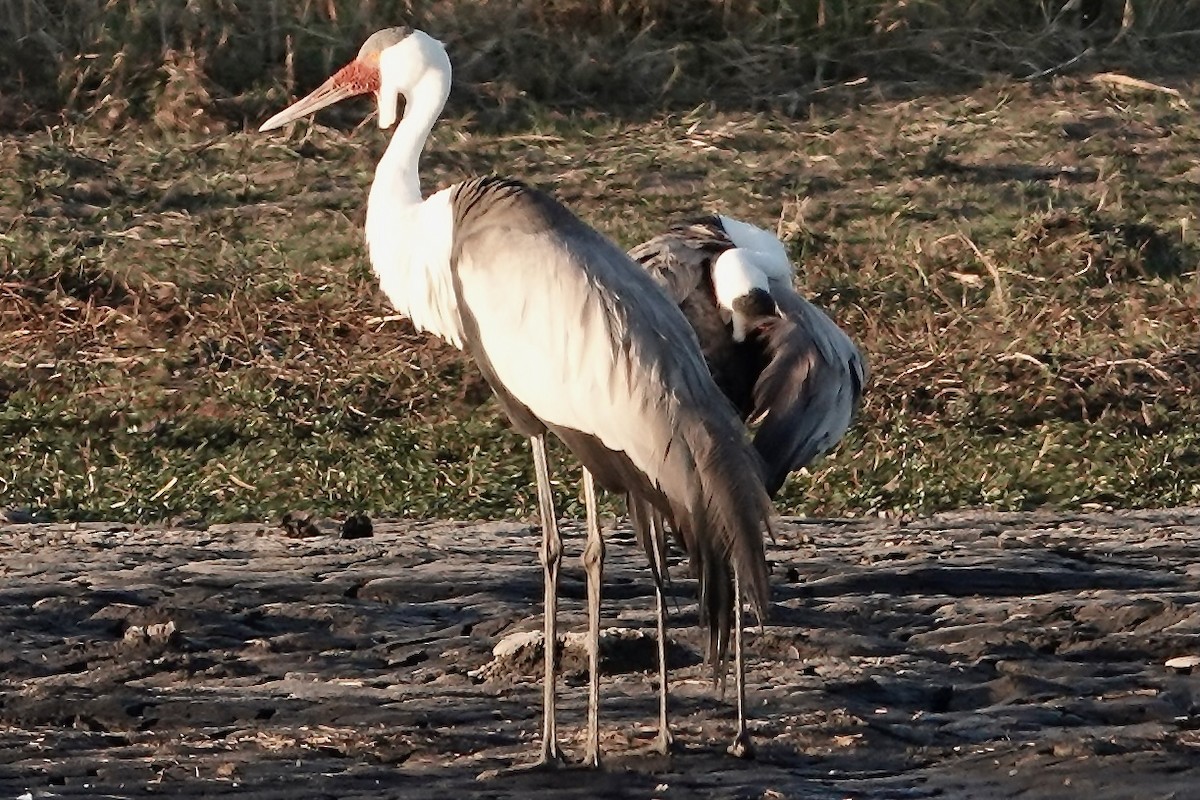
[
  {"x": 809, "y": 390},
  {"x": 589, "y": 343},
  {"x": 676, "y": 261},
  {"x": 680, "y": 261},
  {"x": 798, "y": 380}
]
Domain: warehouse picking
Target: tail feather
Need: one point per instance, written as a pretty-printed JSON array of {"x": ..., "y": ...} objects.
[
  {"x": 709, "y": 489},
  {"x": 721, "y": 510},
  {"x": 642, "y": 516}
]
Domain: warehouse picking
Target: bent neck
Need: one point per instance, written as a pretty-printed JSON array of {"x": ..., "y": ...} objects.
[
  {"x": 397, "y": 182},
  {"x": 735, "y": 273}
]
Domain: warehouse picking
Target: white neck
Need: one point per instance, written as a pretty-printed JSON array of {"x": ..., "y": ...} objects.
[
  {"x": 736, "y": 273},
  {"x": 770, "y": 255},
  {"x": 397, "y": 182},
  {"x": 410, "y": 238}
]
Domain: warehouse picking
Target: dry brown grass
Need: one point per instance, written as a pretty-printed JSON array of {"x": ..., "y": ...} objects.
[
  {"x": 191, "y": 328},
  {"x": 108, "y": 62}
]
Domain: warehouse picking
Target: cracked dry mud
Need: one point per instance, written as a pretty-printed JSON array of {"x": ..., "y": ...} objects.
[{"x": 971, "y": 655}]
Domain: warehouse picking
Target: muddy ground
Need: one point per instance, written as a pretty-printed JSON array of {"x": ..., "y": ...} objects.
[{"x": 970, "y": 655}]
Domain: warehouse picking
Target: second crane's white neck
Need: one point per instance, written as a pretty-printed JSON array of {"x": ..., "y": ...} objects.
[
  {"x": 410, "y": 238},
  {"x": 736, "y": 273}
]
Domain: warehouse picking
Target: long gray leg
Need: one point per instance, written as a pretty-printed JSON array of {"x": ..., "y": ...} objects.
[
  {"x": 593, "y": 565},
  {"x": 658, "y": 537},
  {"x": 742, "y": 747},
  {"x": 550, "y": 554},
  {"x": 551, "y": 558}
]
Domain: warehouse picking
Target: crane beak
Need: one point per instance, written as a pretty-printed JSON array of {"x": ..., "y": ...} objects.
[{"x": 353, "y": 79}]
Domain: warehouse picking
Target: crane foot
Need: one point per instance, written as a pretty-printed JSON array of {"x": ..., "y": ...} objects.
[
  {"x": 551, "y": 761},
  {"x": 742, "y": 746},
  {"x": 664, "y": 744}
]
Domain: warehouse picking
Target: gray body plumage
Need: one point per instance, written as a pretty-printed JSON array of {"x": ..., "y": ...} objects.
[
  {"x": 575, "y": 339},
  {"x": 641, "y": 412},
  {"x": 797, "y": 376}
]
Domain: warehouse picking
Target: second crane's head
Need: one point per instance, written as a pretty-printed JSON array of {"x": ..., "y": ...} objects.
[{"x": 392, "y": 63}]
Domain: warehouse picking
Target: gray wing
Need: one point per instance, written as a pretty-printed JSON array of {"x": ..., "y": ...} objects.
[
  {"x": 680, "y": 261},
  {"x": 809, "y": 390},
  {"x": 588, "y": 342},
  {"x": 798, "y": 383}
]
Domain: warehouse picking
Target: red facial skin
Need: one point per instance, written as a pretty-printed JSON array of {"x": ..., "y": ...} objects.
[{"x": 359, "y": 76}]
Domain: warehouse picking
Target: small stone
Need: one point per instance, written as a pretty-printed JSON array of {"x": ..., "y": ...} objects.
[
  {"x": 305, "y": 524},
  {"x": 157, "y": 632},
  {"x": 516, "y": 641},
  {"x": 1183, "y": 663},
  {"x": 357, "y": 526},
  {"x": 299, "y": 524}
]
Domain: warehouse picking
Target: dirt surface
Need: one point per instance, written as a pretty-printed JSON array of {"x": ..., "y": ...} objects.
[{"x": 969, "y": 655}]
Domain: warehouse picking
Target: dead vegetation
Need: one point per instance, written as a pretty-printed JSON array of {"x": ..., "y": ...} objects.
[
  {"x": 188, "y": 326},
  {"x": 207, "y": 63}
]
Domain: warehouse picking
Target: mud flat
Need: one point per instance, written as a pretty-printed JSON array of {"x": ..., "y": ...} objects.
[{"x": 969, "y": 655}]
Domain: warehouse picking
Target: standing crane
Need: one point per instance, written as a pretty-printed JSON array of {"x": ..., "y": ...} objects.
[
  {"x": 576, "y": 340},
  {"x": 792, "y": 373}
]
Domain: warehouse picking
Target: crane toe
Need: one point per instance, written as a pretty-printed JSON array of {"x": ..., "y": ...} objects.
[
  {"x": 742, "y": 746},
  {"x": 550, "y": 761}
]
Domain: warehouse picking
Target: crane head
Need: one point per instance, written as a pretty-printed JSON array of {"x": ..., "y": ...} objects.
[
  {"x": 388, "y": 65},
  {"x": 742, "y": 289}
]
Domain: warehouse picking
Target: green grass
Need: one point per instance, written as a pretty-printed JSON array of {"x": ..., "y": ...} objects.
[{"x": 188, "y": 326}]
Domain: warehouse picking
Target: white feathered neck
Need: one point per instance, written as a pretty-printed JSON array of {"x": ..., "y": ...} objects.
[{"x": 410, "y": 238}]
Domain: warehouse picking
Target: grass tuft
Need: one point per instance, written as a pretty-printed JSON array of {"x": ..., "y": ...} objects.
[
  {"x": 188, "y": 325},
  {"x": 233, "y": 59}
]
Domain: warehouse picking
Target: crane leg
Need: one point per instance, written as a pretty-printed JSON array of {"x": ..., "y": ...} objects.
[
  {"x": 742, "y": 747},
  {"x": 593, "y": 565},
  {"x": 551, "y": 558},
  {"x": 658, "y": 537},
  {"x": 550, "y": 554}
]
